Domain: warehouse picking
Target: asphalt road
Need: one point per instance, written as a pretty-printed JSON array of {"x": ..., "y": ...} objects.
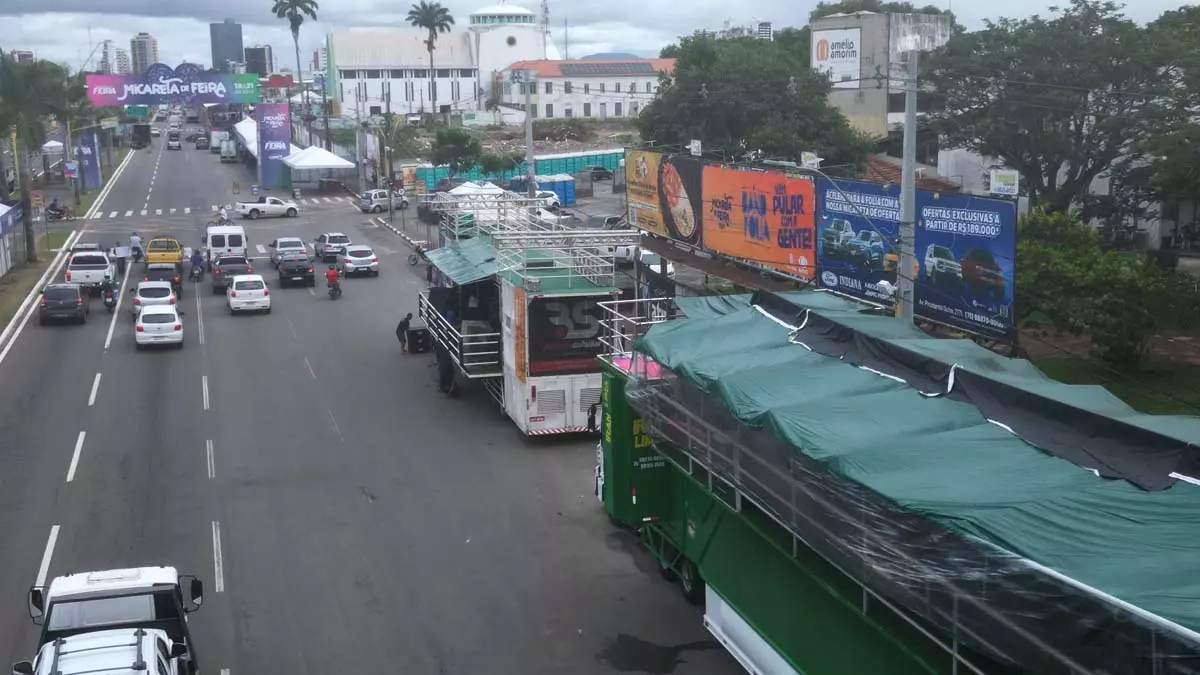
[{"x": 343, "y": 515}]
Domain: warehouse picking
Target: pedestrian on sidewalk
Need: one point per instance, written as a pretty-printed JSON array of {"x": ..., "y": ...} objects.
[{"x": 402, "y": 331}]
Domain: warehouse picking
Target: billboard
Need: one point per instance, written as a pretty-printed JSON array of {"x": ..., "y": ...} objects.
[
  {"x": 89, "y": 159},
  {"x": 161, "y": 84},
  {"x": 664, "y": 194},
  {"x": 763, "y": 217},
  {"x": 965, "y": 248},
  {"x": 274, "y": 143},
  {"x": 838, "y": 55},
  {"x": 858, "y": 229},
  {"x": 564, "y": 335}
]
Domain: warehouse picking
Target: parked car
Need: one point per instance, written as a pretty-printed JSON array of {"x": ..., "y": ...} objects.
[
  {"x": 376, "y": 201},
  {"x": 982, "y": 274},
  {"x": 941, "y": 266},
  {"x": 597, "y": 172},
  {"x": 63, "y": 301},
  {"x": 655, "y": 262},
  {"x": 548, "y": 198}
]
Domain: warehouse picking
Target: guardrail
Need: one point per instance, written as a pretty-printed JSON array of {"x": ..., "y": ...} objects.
[{"x": 476, "y": 354}]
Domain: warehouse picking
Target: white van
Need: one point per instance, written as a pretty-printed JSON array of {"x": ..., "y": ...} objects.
[{"x": 222, "y": 240}]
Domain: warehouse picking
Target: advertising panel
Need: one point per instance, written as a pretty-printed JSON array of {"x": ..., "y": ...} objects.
[
  {"x": 89, "y": 159},
  {"x": 10, "y": 219},
  {"x": 564, "y": 335},
  {"x": 838, "y": 54},
  {"x": 274, "y": 143},
  {"x": 858, "y": 230},
  {"x": 161, "y": 84},
  {"x": 520, "y": 347},
  {"x": 665, "y": 194},
  {"x": 764, "y": 217},
  {"x": 965, "y": 248}
]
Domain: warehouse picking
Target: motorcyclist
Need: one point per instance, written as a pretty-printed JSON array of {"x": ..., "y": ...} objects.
[
  {"x": 135, "y": 245},
  {"x": 223, "y": 215},
  {"x": 331, "y": 277},
  {"x": 197, "y": 261},
  {"x": 108, "y": 286}
]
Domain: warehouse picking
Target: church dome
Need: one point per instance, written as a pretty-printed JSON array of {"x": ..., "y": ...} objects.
[{"x": 503, "y": 13}]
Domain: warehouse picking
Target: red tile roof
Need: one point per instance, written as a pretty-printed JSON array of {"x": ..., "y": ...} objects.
[
  {"x": 883, "y": 171},
  {"x": 547, "y": 68}
]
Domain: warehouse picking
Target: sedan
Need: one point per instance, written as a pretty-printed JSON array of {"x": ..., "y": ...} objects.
[
  {"x": 159, "y": 325},
  {"x": 357, "y": 258},
  {"x": 286, "y": 246},
  {"x": 295, "y": 268},
  {"x": 153, "y": 294},
  {"x": 63, "y": 301},
  {"x": 248, "y": 293}
]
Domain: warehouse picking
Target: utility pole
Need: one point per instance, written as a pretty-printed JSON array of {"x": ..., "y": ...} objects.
[
  {"x": 908, "y": 192},
  {"x": 358, "y": 143},
  {"x": 69, "y": 156},
  {"x": 325, "y": 113},
  {"x": 387, "y": 149},
  {"x": 21, "y": 172}
]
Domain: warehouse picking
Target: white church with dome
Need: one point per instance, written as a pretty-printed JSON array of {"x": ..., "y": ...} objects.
[{"x": 366, "y": 64}]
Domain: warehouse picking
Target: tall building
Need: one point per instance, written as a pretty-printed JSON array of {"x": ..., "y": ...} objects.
[
  {"x": 226, "y": 39},
  {"x": 260, "y": 60},
  {"x": 762, "y": 30},
  {"x": 766, "y": 31},
  {"x": 108, "y": 59},
  {"x": 122, "y": 63},
  {"x": 143, "y": 52},
  {"x": 320, "y": 59},
  {"x": 22, "y": 56}
]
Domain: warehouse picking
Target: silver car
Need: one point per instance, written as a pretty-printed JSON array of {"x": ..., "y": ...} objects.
[
  {"x": 285, "y": 246},
  {"x": 358, "y": 259},
  {"x": 376, "y": 201},
  {"x": 153, "y": 294}
]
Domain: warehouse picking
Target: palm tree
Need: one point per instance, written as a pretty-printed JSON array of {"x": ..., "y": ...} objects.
[
  {"x": 436, "y": 19},
  {"x": 295, "y": 11}
]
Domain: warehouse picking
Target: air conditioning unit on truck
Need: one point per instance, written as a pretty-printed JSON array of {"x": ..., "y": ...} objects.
[{"x": 126, "y": 619}]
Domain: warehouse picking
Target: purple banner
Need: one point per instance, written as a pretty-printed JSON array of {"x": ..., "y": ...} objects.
[
  {"x": 89, "y": 160},
  {"x": 274, "y": 143},
  {"x": 161, "y": 84}
]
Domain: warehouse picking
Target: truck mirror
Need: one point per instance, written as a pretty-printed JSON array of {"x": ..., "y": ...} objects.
[
  {"x": 178, "y": 650},
  {"x": 204, "y": 239},
  {"x": 197, "y": 591},
  {"x": 37, "y": 600},
  {"x": 23, "y": 668}
]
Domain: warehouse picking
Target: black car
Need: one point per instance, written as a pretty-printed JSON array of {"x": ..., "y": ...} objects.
[
  {"x": 296, "y": 268},
  {"x": 63, "y": 301},
  {"x": 165, "y": 272},
  {"x": 227, "y": 267},
  {"x": 597, "y": 173},
  {"x": 202, "y": 142}
]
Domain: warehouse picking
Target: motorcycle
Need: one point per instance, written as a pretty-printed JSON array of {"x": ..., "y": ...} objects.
[
  {"x": 110, "y": 300},
  {"x": 53, "y": 215},
  {"x": 335, "y": 290},
  {"x": 417, "y": 256},
  {"x": 137, "y": 254},
  {"x": 197, "y": 273}
]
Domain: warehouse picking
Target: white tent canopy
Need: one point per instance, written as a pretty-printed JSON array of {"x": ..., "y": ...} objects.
[
  {"x": 248, "y": 130},
  {"x": 469, "y": 189},
  {"x": 52, "y": 148},
  {"x": 316, "y": 158}
]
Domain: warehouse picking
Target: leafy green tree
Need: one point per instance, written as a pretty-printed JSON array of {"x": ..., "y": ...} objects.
[
  {"x": 294, "y": 11},
  {"x": 1056, "y": 254},
  {"x": 749, "y": 96},
  {"x": 455, "y": 148},
  {"x": 435, "y": 19},
  {"x": 1060, "y": 100},
  {"x": 877, "y": 6},
  {"x": 496, "y": 163}
]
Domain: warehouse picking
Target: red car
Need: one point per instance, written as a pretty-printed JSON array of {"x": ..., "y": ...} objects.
[{"x": 982, "y": 275}]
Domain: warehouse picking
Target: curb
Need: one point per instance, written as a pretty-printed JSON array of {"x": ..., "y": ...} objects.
[{"x": 414, "y": 243}]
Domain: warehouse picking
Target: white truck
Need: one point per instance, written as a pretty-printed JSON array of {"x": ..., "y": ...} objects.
[
  {"x": 228, "y": 151},
  {"x": 88, "y": 269},
  {"x": 115, "y": 620},
  {"x": 268, "y": 206},
  {"x": 215, "y": 138}
]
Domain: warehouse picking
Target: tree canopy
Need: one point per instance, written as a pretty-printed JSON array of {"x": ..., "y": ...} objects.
[
  {"x": 455, "y": 148},
  {"x": 746, "y": 96}
]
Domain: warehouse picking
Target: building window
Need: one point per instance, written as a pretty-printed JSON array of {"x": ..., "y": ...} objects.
[
  {"x": 567, "y": 112},
  {"x": 617, "y": 87},
  {"x": 397, "y": 74},
  {"x": 346, "y": 74},
  {"x": 508, "y": 89},
  {"x": 633, "y": 87},
  {"x": 533, "y": 111},
  {"x": 601, "y": 87},
  {"x": 648, "y": 85},
  {"x": 587, "y": 109},
  {"x": 376, "y": 110},
  {"x": 633, "y": 110},
  {"x": 372, "y": 74},
  {"x": 521, "y": 88},
  {"x": 587, "y": 88},
  {"x": 466, "y": 72},
  {"x": 420, "y": 73},
  {"x": 549, "y": 110},
  {"x": 617, "y": 109},
  {"x": 444, "y": 72},
  {"x": 566, "y": 88},
  {"x": 603, "y": 110},
  {"x": 549, "y": 87}
]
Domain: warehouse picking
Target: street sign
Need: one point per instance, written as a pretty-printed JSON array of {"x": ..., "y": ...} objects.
[
  {"x": 254, "y": 190},
  {"x": 109, "y": 123},
  {"x": 69, "y": 169},
  {"x": 137, "y": 110},
  {"x": 37, "y": 198}
]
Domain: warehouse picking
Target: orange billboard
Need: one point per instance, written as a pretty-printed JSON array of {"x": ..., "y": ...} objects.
[
  {"x": 664, "y": 194},
  {"x": 766, "y": 218}
]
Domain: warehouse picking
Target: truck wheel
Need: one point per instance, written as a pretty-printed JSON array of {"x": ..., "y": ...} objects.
[
  {"x": 254, "y": 214},
  {"x": 690, "y": 582}
]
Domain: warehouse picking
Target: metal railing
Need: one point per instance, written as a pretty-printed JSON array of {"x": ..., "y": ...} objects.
[
  {"x": 477, "y": 354},
  {"x": 623, "y": 322},
  {"x": 580, "y": 257}
]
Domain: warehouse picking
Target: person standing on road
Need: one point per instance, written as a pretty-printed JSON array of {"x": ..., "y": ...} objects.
[
  {"x": 119, "y": 258},
  {"x": 402, "y": 331}
]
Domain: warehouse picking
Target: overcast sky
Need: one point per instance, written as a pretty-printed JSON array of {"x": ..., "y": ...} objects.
[{"x": 59, "y": 29}]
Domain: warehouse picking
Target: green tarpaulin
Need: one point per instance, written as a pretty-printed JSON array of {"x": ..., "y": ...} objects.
[
  {"x": 941, "y": 458},
  {"x": 465, "y": 261}
]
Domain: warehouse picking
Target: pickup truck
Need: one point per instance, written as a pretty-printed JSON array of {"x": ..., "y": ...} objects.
[
  {"x": 268, "y": 206},
  {"x": 88, "y": 269},
  {"x": 164, "y": 250},
  {"x": 226, "y": 268}
]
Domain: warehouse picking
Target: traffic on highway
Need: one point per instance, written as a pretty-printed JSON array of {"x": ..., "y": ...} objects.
[{"x": 225, "y": 436}]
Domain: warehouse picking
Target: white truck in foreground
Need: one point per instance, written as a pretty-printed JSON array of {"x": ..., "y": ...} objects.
[
  {"x": 113, "y": 620},
  {"x": 88, "y": 269},
  {"x": 268, "y": 206}
]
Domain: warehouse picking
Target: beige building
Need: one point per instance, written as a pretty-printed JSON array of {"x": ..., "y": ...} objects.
[{"x": 143, "y": 52}]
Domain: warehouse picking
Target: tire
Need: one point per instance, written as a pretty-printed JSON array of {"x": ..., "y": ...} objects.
[
  {"x": 268, "y": 311},
  {"x": 179, "y": 346},
  {"x": 231, "y": 312},
  {"x": 41, "y": 321},
  {"x": 413, "y": 258},
  {"x": 377, "y": 209},
  {"x": 138, "y": 346},
  {"x": 254, "y": 214},
  {"x": 690, "y": 582},
  {"x": 292, "y": 213},
  {"x": 375, "y": 273}
]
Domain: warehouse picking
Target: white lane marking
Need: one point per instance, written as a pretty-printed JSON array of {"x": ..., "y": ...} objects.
[
  {"x": 14, "y": 329},
  {"x": 204, "y": 389},
  {"x": 310, "y": 369},
  {"x": 262, "y": 250},
  {"x": 158, "y": 212},
  {"x": 218, "y": 562},
  {"x": 97, "y": 216},
  {"x": 199, "y": 317},
  {"x": 95, "y": 389},
  {"x": 336, "y": 428},
  {"x": 113, "y": 214},
  {"x": 212, "y": 465},
  {"x": 144, "y": 211},
  {"x": 173, "y": 211},
  {"x": 312, "y": 292},
  {"x": 128, "y": 214},
  {"x": 112, "y": 324},
  {"x": 187, "y": 209},
  {"x": 75, "y": 456},
  {"x": 44, "y": 569},
  {"x": 214, "y": 207},
  {"x": 293, "y": 327},
  {"x": 224, "y": 671}
]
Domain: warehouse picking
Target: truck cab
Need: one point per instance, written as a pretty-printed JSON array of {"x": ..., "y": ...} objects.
[{"x": 149, "y": 600}]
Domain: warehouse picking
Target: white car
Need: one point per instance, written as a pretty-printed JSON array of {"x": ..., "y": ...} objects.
[
  {"x": 358, "y": 258},
  {"x": 941, "y": 266},
  {"x": 548, "y": 198},
  {"x": 155, "y": 131},
  {"x": 159, "y": 325},
  {"x": 248, "y": 293},
  {"x": 267, "y": 206},
  {"x": 329, "y": 244},
  {"x": 174, "y": 144},
  {"x": 286, "y": 245},
  {"x": 153, "y": 294},
  {"x": 655, "y": 262}
]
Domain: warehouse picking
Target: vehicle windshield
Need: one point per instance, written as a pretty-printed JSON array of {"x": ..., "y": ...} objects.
[
  {"x": 290, "y": 243},
  {"x": 102, "y": 611},
  {"x": 359, "y": 253},
  {"x": 61, "y": 294},
  {"x": 651, "y": 259},
  {"x": 942, "y": 252},
  {"x": 164, "y": 244},
  {"x": 231, "y": 261},
  {"x": 368, "y": 196},
  {"x": 158, "y": 317},
  {"x": 154, "y": 292},
  {"x": 248, "y": 286},
  {"x": 88, "y": 260},
  {"x": 339, "y": 239},
  {"x": 982, "y": 256}
]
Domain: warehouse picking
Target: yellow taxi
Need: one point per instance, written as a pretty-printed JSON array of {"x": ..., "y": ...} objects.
[{"x": 164, "y": 250}]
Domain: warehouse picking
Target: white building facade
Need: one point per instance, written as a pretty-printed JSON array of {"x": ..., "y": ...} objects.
[{"x": 589, "y": 88}]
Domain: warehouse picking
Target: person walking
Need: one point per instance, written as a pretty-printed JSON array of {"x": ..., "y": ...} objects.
[{"x": 402, "y": 331}]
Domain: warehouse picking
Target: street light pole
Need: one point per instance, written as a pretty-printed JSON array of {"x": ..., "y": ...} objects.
[{"x": 387, "y": 150}]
